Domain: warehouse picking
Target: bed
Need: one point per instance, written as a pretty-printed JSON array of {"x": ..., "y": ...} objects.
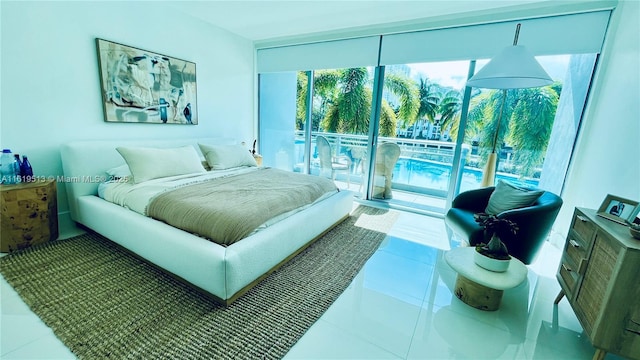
[{"x": 224, "y": 271}]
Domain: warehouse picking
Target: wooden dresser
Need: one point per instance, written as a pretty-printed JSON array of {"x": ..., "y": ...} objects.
[
  {"x": 28, "y": 214},
  {"x": 600, "y": 275}
]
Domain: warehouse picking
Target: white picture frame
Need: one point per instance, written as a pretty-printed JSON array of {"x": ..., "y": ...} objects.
[{"x": 618, "y": 209}]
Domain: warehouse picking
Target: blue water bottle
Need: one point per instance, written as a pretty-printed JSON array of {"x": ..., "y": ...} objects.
[
  {"x": 7, "y": 167},
  {"x": 17, "y": 168},
  {"x": 26, "y": 170}
]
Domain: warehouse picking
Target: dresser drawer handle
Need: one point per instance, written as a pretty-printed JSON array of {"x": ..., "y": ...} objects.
[
  {"x": 633, "y": 326},
  {"x": 566, "y": 268},
  {"x": 583, "y": 266},
  {"x": 574, "y": 243},
  {"x": 581, "y": 218}
]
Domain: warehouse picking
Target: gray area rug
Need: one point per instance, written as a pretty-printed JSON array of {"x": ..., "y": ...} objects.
[{"x": 102, "y": 302}]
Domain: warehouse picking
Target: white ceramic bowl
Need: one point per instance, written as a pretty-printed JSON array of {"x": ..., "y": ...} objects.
[{"x": 491, "y": 264}]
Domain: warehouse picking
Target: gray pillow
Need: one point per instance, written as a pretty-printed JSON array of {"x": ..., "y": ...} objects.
[
  {"x": 221, "y": 157},
  {"x": 507, "y": 196}
]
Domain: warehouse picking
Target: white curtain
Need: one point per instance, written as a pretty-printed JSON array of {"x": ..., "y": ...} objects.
[
  {"x": 581, "y": 33},
  {"x": 359, "y": 52},
  {"x": 568, "y": 34}
]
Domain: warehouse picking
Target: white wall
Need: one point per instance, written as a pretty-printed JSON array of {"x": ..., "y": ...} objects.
[
  {"x": 607, "y": 155},
  {"x": 51, "y": 88}
]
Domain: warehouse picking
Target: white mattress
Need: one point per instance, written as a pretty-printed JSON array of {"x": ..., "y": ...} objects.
[{"x": 136, "y": 197}]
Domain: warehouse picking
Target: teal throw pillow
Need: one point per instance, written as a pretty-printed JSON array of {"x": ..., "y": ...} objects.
[{"x": 507, "y": 196}]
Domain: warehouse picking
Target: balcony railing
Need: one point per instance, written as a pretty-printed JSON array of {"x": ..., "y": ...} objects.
[
  {"x": 425, "y": 166},
  {"x": 355, "y": 147}
]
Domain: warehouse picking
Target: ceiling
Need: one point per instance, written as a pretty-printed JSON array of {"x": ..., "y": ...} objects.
[{"x": 271, "y": 19}]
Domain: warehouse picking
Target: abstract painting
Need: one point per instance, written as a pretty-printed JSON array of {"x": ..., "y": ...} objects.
[{"x": 140, "y": 86}]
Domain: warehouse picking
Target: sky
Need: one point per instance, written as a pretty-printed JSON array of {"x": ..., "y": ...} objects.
[{"x": 454, "y": 73}]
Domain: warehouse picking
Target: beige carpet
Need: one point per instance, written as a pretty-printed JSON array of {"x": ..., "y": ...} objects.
[{"x": 103, "y": 302}]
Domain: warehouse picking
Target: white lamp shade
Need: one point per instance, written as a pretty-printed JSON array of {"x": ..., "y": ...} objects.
[{"x": 514, "y": 68}]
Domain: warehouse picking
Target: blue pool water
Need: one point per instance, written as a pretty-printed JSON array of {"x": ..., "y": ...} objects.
[{"x": 432, "y": 175}]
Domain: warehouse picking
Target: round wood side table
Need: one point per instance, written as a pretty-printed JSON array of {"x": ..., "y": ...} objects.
[{"x": 479, "y": 287}]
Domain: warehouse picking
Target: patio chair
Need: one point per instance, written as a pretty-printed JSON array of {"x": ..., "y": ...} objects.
[
  {"x": 330, "y": 164},
  {"x": 387, "y": 155}
]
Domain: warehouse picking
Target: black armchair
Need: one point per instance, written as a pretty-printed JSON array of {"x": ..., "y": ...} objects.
[{"x": 534, "y": 221}]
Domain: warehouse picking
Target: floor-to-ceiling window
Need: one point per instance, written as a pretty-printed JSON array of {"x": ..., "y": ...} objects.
[
  {"x": 534, "y": 135},
  {"x": 341, "y": 113},
  {"x": 277, "y": 113},
  {"x": 303, "y": 95},
  {"x": 426, "y": 101},
  {"x": 442, "y": 129},
  {"x": 298, "y": 107}
]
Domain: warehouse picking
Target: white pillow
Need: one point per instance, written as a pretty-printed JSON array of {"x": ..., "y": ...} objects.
[
  {"x": 507, "y": 196},
  {"x": 153, "y": 163},
  {"x": 222, "y": 157},
  {"x": 119, "y": 172}
]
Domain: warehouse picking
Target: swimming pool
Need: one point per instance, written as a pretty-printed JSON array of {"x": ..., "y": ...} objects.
[
  {"x": 416, "y": 173},
  {"x": 433, "y": 175}
]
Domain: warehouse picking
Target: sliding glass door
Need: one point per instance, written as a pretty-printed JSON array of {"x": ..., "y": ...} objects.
[
  {"x": 420, "y": 111},
  {"x": 341, "y": 111},
  {"x": 298, "y": 107},
  {"x": 534, "y": 137},
  {"x": 406, "y": 94}
]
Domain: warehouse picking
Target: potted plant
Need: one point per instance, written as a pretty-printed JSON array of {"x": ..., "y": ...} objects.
[{"x": 494, "y": 255}]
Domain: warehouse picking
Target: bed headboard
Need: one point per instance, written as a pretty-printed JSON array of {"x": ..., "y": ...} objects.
[{"x": 84, "y": 162}]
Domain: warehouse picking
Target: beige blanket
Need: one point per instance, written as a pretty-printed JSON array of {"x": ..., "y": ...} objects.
[{"x": 228, "y": 209}]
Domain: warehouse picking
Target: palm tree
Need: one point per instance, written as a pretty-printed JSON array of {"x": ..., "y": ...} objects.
[
  {"x": 438, "y": 100},
  {"x": 530, "y": 129},
  {"x": 350, "y": 108},
  {"x": 405, "y": 89},
  {"x": 449, "y": 110},
  {"x": 301, "y": 100},
  {"x": 347, "y": 100},
  {"x": 322, "y": 95},
  {"x": 526, "y": 122},
  {"x": 429, "y": 100}
]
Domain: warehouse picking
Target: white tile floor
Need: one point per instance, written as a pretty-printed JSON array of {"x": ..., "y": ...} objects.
[{"x": 400, "y": 306}]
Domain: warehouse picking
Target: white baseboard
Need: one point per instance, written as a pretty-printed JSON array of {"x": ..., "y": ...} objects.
[{"x": 67, "y": 227}]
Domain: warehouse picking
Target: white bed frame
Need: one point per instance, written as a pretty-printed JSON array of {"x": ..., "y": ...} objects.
[{"x": 224, "y": 272}]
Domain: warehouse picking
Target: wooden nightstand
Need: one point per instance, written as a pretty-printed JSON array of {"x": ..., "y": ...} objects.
[{"x": 29, "y": 214}]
